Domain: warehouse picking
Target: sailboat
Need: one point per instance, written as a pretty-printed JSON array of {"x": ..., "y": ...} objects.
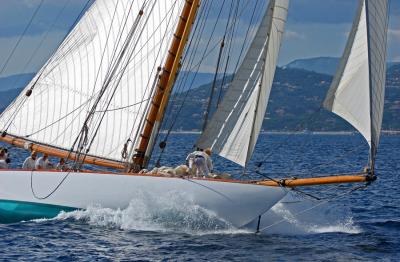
[{"x": 101, "y": 98}]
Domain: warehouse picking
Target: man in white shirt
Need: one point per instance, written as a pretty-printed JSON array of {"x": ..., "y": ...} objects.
[
  {"x": 43, "y": 163},
  {"x": 29, "y": 162},
  {"x": 200, "y": 163}
]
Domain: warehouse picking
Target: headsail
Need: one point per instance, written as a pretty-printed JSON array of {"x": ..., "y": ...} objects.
[
  {"x": 234, "y": 128},
  {"x": 358, "y": 88},
  {"x": 117, "y": 43}
]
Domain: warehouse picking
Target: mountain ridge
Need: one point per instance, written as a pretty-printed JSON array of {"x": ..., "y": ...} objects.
[
  {"x": 323, "y": 64},
  {"x": 296, "y": 97}
]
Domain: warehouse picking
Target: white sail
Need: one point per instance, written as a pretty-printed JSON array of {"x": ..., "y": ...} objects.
[
  {"x": 111, "y": 45},
  {"x": 234, "y": 128},
  {"x": 357, "y": 91}
]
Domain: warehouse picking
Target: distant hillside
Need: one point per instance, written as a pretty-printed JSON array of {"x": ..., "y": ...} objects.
[
  {"x": 296, "y": 96},
  {"x": 391, "y": 117},
  {"x": 15, "y": 81},
  {"x": 198, "y": 79},
  {"x": 6, "y": 97},
  {"x": 323, "y": 65}
]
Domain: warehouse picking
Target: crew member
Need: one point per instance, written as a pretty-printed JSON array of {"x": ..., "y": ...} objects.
[
  {"x": 29, "y": 162},
  {"x": 200, "y": 163},
  {"x": 43, "y": 163},
  {"x": 61, "y": 164}
]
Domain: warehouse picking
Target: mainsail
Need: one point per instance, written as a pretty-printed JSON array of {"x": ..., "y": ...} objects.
[
  {"x": 115, "y": 49},
  {"x": 234, "y": 128},
  {"x": 358, "y": 88}
]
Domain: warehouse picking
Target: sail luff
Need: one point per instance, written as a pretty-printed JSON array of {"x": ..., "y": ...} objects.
[
  {"x": 161, "y": 96},
  {"x": 377, "y": 24}
]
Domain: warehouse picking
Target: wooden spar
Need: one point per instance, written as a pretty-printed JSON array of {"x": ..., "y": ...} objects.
[
  {"x": 290, "y": 182},
  {"x": 313, "y": 181},
  {"x": 22, "y": 143},
  {"x": 167, "y": 78}
]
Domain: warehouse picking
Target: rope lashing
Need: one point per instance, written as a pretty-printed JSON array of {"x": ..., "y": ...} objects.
[{"x": 124, "y": 152}]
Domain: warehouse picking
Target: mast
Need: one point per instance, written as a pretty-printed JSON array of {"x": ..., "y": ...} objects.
[{"x": 161, "y": 96}]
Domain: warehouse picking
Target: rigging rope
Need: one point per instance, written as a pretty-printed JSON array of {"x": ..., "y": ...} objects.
[
  {"x": 21, "y": 36},
  {"x": 111, "y": 71},
  {"x": 151, "y": 86},
  {"x": 196, "y": 39},
  {"x": 210, "y": 98},
  {"x": 300, "y": 123},
  {"x": 52, "y": 191},
  {"x": 232, "y": 26},
  {"x": 204, "y": 54}
]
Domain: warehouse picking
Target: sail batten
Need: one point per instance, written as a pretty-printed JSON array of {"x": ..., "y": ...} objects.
[
  {"x": 116, "y": 49},
  {"x": 233, "y": 130},
  {"x": 358, "y": 88}
]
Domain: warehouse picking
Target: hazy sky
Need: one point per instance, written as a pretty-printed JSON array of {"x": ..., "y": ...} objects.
[{"x": 314, "y": 28}]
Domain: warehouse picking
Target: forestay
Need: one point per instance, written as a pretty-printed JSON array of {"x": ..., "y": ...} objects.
[
  {"x": 358, "y": 88},
  {"x": 113, "y": 45},
  {"x": 234, "y": 128}
]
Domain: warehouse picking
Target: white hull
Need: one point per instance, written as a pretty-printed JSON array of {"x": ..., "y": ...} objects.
[{"x": 237, "y": 203}]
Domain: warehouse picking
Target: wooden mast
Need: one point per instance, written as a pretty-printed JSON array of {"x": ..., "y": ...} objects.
[{"x": 165, "y": 83}]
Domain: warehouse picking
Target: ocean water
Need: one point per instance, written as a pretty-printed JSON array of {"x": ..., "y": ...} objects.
[{"x": 344, "y": 225}]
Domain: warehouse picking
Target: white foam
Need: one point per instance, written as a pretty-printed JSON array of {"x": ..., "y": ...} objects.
[{"x": 174, "y": 213}]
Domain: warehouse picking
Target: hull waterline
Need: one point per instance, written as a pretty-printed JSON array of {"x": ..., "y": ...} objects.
[{"x": 28, "y": 195}]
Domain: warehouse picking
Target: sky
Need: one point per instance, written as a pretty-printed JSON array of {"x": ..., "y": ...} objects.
[{"x": 314, "y": 28}]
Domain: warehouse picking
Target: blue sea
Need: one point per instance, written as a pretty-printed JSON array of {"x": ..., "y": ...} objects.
[{"x": 343, "y": 225}]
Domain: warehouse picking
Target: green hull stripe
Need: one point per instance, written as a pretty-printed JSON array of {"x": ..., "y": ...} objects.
[{"x": 15, "y": 211}]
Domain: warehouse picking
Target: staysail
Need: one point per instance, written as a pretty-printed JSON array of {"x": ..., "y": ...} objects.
[
  {"x": 358, "y": 88},
  {"x": 233, "y": 130},
  {"x": 117, "y": 48}
]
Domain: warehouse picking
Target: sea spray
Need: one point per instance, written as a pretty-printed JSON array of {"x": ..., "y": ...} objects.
[{"x": 172, "y": 212}]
